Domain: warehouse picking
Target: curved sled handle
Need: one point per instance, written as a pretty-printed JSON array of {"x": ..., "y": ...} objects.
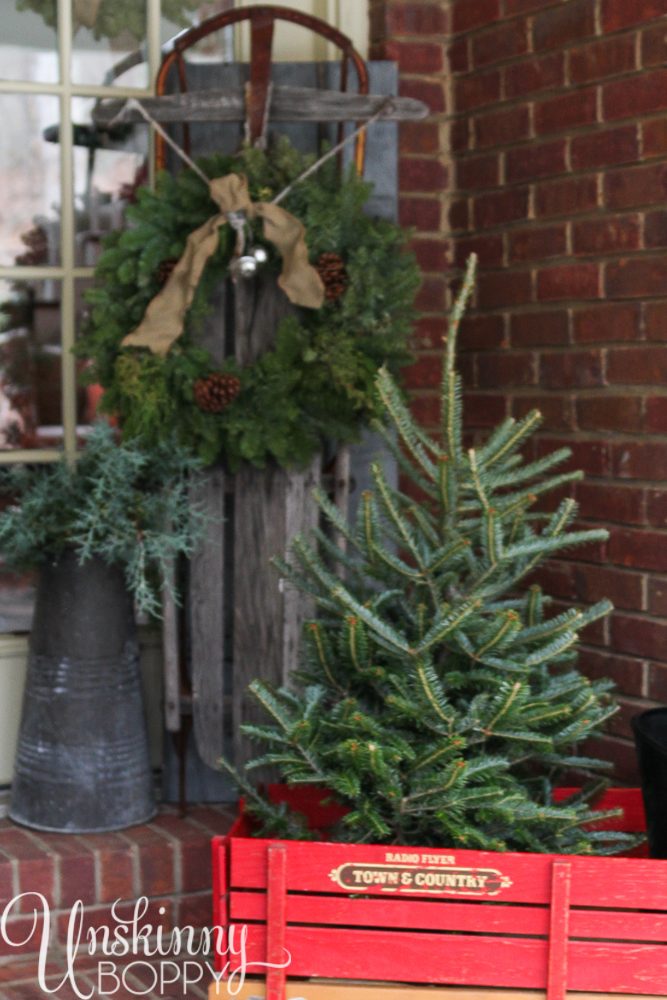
[{"x": 262, "y": 22}]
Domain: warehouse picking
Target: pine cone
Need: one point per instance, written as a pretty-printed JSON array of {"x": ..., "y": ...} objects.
[
  {"x": 165, "y": 269},
  {"x": 331, "y": 269},
  {"x": 214, "y": 393}
]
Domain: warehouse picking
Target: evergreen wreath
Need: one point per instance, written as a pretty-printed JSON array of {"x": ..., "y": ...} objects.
[
  {"x": 437, "y": 702},
  {"x": 319, "y": 381}
]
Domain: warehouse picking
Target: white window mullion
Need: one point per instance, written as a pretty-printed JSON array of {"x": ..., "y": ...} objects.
[
  {"x": 153, "y": 38},
  {"x": 67, "y": 315}
]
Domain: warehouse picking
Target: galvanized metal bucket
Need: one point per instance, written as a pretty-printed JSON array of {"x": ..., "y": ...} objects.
[{"x": 82, "y": 762}]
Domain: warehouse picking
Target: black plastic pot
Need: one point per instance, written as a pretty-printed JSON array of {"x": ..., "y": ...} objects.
[
  {"x": 650, "y": 729},
  {"x": 82, "y": 761}
]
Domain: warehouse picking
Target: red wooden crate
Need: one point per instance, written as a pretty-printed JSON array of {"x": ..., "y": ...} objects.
[{"x": 449, "y": 917}]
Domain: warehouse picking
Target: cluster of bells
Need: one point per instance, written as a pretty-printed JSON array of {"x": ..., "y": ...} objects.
[
  {"x": 247, "y": 259},
  {"x": 247, "y": 264}
]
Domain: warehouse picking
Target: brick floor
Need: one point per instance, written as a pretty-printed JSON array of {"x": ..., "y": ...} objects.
[
  {"x": 168, "y": 861},
  {"x": 18, "y": 979}
]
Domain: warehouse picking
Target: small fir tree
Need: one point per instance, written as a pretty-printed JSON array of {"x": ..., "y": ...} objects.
[{"x": 436, "y": 699}]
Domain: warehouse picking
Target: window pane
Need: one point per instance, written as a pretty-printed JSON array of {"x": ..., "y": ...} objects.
[
  {"x": 106, "y": 32},
  {"x": 107, "y": 168},
  {"x": 29, "y": 180},
  {"x": 88, "y": 396},
  {"x": 28, "y": 41},
  {"x": 30, "y": 365},
  {"x": 216, "y": 47}
]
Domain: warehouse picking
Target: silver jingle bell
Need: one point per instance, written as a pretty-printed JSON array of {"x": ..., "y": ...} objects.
[
  {"x": 260, "y": 255},
  {"x": 247, "y": 266}
]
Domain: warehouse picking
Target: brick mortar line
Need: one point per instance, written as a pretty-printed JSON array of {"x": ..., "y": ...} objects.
[
  {"x": 575, "y": 174},
  {"x": 540, "y": 97},
  {"x": 177, "y": 855},
  {"x": 568, "y": 85},
  {"x": 586, "y": 128},
  {"x": 567, "y": 260},
  {"x": 56, "y": 857},
  {"x": 533, "y": 15}
]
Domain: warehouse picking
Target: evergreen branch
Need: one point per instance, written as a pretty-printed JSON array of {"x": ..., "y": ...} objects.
[
  {"x": 512, "y": 695},
  {"x": 408, "y": 467},
  {"x": 523, "y": 737},
  {"x": 552, "y": 650},
  {"x": 460, "y": 305},
  {"x": 446, "y": 554},
  {"x": 422, "y": 519},
  {"x": 542, "y": 546},
  {"x": 534, "y": 470},
  {"x": 504, "y": 632},
  {"x": 400, "y": 523},
  {"x": 496, "y": 451},
  {"x": 270, "y": 704},
  {"x": 391, "y": 637},
  {"x": 336, "y": 555},
  {"x": 444, "y": 627},
  {"x": 400, "y": 567},
  {"x": 433, "y": 692},
  {"x": 404, "y": 422},
  {"x": 340, "y": 523},
  {"x": 302, "y": 583}
]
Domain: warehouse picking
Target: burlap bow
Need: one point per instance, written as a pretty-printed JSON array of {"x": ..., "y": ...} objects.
[{"x": 163, "y": 321}]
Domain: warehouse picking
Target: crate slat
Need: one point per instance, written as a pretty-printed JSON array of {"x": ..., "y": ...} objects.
[
  {"x": 518, "y": 963},
  {"x": 401, "y": 914},
  {"x": 627, "y": 883},
  {"x": 477, "y": 921},
  {"x": 319, "y": 989},
  {"x": 442, "y": 915}
]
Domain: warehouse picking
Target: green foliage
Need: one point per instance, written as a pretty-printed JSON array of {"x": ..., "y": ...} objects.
[
  {"x": 320, "y": 378},
  {"x": 436, "y": 698},
  {"x": 129, "y": 506},
  {"x": 116, "y": 16}
]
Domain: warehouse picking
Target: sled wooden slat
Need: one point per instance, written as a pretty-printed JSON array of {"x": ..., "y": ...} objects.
[
  {"x": 288, "y": 104},
  {"x": 470, "y": 919}
]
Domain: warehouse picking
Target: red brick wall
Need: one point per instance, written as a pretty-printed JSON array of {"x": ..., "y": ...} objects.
[{"x": 555, "y": 173}]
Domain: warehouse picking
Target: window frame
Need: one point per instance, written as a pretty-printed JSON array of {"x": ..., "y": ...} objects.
[{"x": 66, "y": 273}]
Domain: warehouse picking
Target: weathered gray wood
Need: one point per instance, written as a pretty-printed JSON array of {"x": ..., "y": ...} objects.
[
  {"x": 170, "y": 647},
  {"x": 301, "y": 516},
  {"x": 342, "y": 496},
  {"x": 206, "y": 590},
  {"x": 261, "y": 533},
  {"x": 288, "y": 104},
  {"x": 207, "y": 604},
  {"x": 259, "y": 528},
  {"x": 260, "y": 306}
]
